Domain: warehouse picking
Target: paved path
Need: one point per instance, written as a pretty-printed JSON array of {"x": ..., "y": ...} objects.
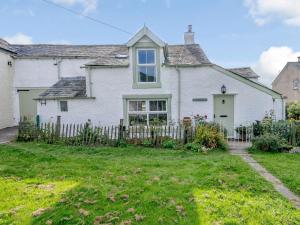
[
  {"x": 240, "y": 150},
  {"x": 8, "y": 134}
]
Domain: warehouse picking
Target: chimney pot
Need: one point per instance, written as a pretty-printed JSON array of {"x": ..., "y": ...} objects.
[{"x": 189, "y": 36}]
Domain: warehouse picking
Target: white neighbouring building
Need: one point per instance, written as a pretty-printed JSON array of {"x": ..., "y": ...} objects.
[{"x": 139, "y": 81}]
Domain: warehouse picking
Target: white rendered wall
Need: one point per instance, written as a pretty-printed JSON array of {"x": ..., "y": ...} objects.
[
  {"x": 6, "y": 91},
  {"x": 110, "y": 84},
  {"x": 43, "y": 73}
]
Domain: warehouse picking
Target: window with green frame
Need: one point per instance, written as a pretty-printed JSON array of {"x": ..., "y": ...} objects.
[
  {"x": 147, "y": 112},
  {"x": 146, "y": 65}
]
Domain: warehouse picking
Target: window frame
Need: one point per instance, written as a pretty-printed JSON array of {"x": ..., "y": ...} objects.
[
  {"x": 296, "y": 84},
  {"x": 147, "y": 111},
  {"x": 138, "y": 65},
  {"x": 60, "y": 106}
]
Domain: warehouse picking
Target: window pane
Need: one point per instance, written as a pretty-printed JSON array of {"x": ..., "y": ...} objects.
[
  {"x": 142, "y": 74},
  {"x": 142, "y": 56},
  {"x": 137, "y": 106},
  {"x": 150, "y": 57},
  {"x": 161, "y": 106},
  {"x": 158, "y": 106},
  {"x": 151, "y": 73},
  {"x": 137, "y": 119},
  {"x": 132, "y": 106},
  {"x": 158, "y": 119},
  {"x": 141, "y": 106},
  {"x": 153, "y": 105},
  {"x": 63, "y": 106}
]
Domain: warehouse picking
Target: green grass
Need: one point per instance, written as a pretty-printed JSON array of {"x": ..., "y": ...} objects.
[
  {"x": 284, "y": 166},
  {"x": 78, "y": 185}
]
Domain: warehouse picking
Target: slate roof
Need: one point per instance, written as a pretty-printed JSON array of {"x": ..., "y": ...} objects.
[
  {"x": 68, "y": 87},
  {"x": 246, "y": 72},
  {"x": 87, "y": 51},
  {"x": 186, "y": 55},
  {"x": 107, "y": 55},
  {"x": 109, "y": 61},
  {"x": 5, "y": 45}
]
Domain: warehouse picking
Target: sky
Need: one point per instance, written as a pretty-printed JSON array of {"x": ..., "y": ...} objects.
[{"x": 263, "y": 34}]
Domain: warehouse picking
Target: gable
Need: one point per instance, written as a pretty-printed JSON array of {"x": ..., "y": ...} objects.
[
  {"x": 145, "y": 34},
  {"x": 249, "y": 82},
  {"x": 288, "y": 73}
]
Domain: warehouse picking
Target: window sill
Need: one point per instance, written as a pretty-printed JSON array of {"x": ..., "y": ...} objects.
[{"x": 146, "y": 85}]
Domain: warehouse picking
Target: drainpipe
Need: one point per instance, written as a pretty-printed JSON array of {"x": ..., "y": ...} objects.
[
  {"x": 179, "y": 93},
  {"x": 58, "y": 64},
  {"x": 89, "y": 82}
]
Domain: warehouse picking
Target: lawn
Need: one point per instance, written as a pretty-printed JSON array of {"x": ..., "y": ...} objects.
[
  {"x": 48, "y": 184},
  {"x": 285, "y": 166}
]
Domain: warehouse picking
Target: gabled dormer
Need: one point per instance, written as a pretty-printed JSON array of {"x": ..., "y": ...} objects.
[{"x": 147, "y": 57}]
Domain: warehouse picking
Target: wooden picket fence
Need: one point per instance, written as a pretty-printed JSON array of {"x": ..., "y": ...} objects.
[{"x": 87, "y": 134}]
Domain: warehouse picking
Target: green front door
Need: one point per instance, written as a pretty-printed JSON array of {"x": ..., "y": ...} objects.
[
  {"x": 224, "y": 112},
  {"x": 28, "y": 107}
]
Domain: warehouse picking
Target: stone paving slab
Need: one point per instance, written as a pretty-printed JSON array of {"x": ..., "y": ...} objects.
[
  {"x": 240, "y": 150},
  {"x": 8, "y": 134}
]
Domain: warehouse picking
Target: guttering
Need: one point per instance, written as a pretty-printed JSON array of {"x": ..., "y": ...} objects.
[
  {"x": 188, "y": 65},
  {"x": 105, "y": 66},
  {"x": 65, "y": 98}
]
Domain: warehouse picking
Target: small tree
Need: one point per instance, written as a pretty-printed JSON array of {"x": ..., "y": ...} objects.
[{"x": 293, "y": 110}]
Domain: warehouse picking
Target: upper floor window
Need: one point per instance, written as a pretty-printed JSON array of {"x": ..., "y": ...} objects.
[
  {"x": 63, "y": 106},
  {"x": 296, "y": 83},
  {"x": 146, "y": 65}
]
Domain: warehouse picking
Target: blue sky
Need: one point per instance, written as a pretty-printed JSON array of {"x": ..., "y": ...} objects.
[{"x": 261, "y": 33}]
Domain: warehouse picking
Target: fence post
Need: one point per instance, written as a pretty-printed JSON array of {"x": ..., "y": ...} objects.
[
  {"x": 185, "y": 135},
  {"x": 58, "y": 124},
  {"x": 121, "y": 127}
]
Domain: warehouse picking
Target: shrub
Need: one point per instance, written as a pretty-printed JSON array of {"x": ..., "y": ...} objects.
[
  {"x": 209, "y": 137},
  {"x": 27, "y": 131},
  {"x": 293, "y": 111},
  {"x": 194, "y": 147},
  {"x": 257, "y": 128},
  {"x": 147, "y": 143},
  {"x": 122, "y": 143},
  {"x": 169, "y": 143},
  {"x": 271, "y": 143}
]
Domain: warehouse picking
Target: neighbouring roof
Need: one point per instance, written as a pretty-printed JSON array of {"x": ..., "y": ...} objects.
[
  {"x": 246, "y": 72},
  {"x": 68, "y": 87}
]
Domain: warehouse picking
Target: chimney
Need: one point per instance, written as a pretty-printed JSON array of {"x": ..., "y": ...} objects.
[
  {"x": 189, "y": 36},
  {"x": 299, "y": 59}
]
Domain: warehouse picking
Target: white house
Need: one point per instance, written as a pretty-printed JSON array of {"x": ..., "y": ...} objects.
[{"x": 138, "y": 82}]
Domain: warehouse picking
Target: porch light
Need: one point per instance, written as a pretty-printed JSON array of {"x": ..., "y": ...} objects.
[{"x": 223, "y": 89}]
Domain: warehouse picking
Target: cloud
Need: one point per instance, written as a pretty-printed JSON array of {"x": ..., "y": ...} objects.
[
  {"x": 88, "y": 5},
  {"x": 19, "y": 38},
  {"x": 265, "y": 11},
  {"x": 272, "y": 61}
]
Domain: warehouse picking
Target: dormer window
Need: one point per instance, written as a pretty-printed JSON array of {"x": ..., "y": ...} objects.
[
  {"x": 146, "y": 65},
  {"x": 296, "y": 84}
]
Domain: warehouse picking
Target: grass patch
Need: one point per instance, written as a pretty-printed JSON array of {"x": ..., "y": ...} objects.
[
  {"x": 43, "y": 184},
  {"x": 284, "y": 166}
]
